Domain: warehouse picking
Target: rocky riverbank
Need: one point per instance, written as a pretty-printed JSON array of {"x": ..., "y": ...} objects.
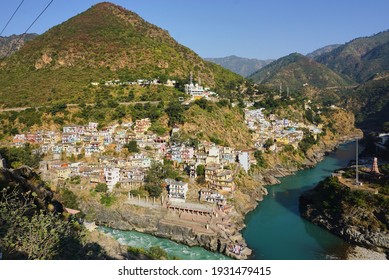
[
  {"x": 360, "y": 253},
  {"x": 358, "y": 217},
  {"x": 218, "y": 234}
]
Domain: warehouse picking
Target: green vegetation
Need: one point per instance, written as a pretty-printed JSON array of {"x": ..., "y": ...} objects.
[
  {"x": 28, "y": 231},
  {"x": 16, "y": 157},
  {"x": 101, "y": 187},
  {"x": 114, "y": 44},
  {"x": 359, "y": 59},
  {"x": 153, "y": 190},
  {"x": 307, "y": 142},
  {"x": 294, "y": 70},
  {"x": 69, "y": 199},
  {"x": 154, "y": 252},
  {"x": 261, "y": 162},
  {"x": 335, "y": 199},
  {"x": 132, "y": 146},
  {"x": 175, "y": 112},
  {"x": 107, "y": 199},
  {"x": 155, "y": 176},
  {"x": 221, "y": 125},
  {"x": 200, "y": 170}
]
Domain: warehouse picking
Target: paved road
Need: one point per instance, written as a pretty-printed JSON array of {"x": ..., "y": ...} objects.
[{"x": 18, "y": 109}]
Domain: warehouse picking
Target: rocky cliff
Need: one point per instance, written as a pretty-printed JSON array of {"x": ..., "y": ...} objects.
[
  {"x": 158, "y": 221},
  {"x": 358, "y": 217}
]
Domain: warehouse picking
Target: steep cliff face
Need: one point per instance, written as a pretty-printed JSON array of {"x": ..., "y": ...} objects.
[
  {"x": 358, "y": 217},
  {"x": 159, "y": 222},
  {"x": 340, "y": 128}
]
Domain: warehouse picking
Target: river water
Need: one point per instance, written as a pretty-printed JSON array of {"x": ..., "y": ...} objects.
[
  {"x": 137, "y": 239},
  {"x": 274, "y": 229}
]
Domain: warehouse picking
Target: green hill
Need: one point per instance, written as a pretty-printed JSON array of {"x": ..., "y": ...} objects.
[
  {"x": 295, "y": 70},
  {"x": 360, "y": 59},
  {"x": 103, "y": 43},
  {"x": 369, "y": 101}
]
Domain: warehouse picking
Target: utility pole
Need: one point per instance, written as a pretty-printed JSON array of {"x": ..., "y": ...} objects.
[{"x": 356, "y": 164}]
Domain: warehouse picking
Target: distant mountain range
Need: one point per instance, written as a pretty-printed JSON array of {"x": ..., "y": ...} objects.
[
  {"x": 336, "y": 65},
  {"x": 322, "y": 51},
  {"x": 105, "y": 42},
  {"x": 295, "y": 71},
  {"x": 354, "y": 75},
  {"x": 360, "y": 59},
  {"x": 11, "y": 44},
  {"x": 240, "y": 65}
]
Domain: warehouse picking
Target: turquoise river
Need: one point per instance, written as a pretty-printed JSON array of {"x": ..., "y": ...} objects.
[{"x": 274, "y": 229}]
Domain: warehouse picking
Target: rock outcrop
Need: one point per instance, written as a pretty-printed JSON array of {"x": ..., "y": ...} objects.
[
  {"x": 158, "y": 221},
  {"x": 358, "y": 218}
]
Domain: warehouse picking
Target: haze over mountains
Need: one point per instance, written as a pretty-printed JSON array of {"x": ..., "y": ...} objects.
[{"x": 240, "y": 65}]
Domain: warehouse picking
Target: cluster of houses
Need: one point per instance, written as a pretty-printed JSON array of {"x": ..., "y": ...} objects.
[
  {"x": 283, "y": 131},
  {"x": 86, "y": 141},
  {"x": 86, "y": 146},
  {"x": 140, "y": 82}
]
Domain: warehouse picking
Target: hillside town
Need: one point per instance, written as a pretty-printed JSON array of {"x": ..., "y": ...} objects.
[
  {"x": 81, "y": 151},
  {"x": 100, "y": 155},
  {"x": 282, "y": 131}
]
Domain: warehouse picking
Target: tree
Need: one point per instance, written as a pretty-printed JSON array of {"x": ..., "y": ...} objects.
[
  {"x": 101, "y": 187},
  {"x": 28, "y": 232},
  {"x": 157, "y": 253},
  {"x": 153, "y": 190},
  {"x": 16, "y": 157},
  {"x": 200, "y": 170},
  {"x": 69, "y": 199},
  {"x": 132, "y": 146},
  {"x": 259, "y": 157},
  {"x": 269, "y": 142},
  {"x": 175, "y": 111}
]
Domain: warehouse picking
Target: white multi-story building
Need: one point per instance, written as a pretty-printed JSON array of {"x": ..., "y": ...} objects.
[
  {"x": 112, "y": 176},
  {"x": 244, "y": 160},
  {"x": 177, "y": 190}
]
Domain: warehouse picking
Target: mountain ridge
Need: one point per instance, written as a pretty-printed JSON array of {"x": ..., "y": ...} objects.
[
  {"x": 104, "y": 42},
  {"x": 322, "y": 50},
  {"x": 361, "y": 58},
  {"x": 240, "y": 65},
  {"x": 11, "y": 44},
  {"x": 295, "y": 71}
]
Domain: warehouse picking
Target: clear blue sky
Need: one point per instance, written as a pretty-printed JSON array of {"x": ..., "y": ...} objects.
[{"x": 216, "y": 28}]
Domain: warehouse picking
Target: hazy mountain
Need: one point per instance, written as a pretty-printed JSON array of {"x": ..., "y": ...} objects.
[
  {"x": 322, "y": 51},
  {"x": 10, "y": 44},
  {"x": 102, "y": 43},
  {"x": 295, "y": 70},
  {"x": 360, "y": 59},
  {"x": 240, "y": 65}
]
